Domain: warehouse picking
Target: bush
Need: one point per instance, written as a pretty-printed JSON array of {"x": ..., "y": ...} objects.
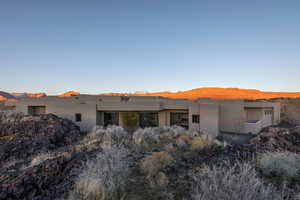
[
  {"x": 184, "y": 141},
  {"x": 163, "y": 138},
  {"x": 88, "y": 189},
  {"x": 199, "y": 143},
  {"x": 284, "y": 165},
  {"x": 105, "y": 177},
  {"x": 130, "y": 119},
  {"x": 111, "y": 136},
  {"x": 230, "y": 183},
  {"x": 151, "y": 166}
]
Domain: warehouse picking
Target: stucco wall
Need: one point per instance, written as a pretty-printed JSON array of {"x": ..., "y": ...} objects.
[
  {"x": 209, "y": 119},
  {"x": 66, "y": 108},
  {"x": 1, "y": 105},
  {"x": 277, "y": 113},
  {"x": 232, "y": 116},
  {"x": 162, "y": 118},
  {"x": 254, "y": 114},
  {"x": 194, "y": 109}
]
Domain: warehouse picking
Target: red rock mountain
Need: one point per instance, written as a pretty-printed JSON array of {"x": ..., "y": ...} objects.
[
  {"x": 5, "y": 96},
  {"x": 70, "y": 93},
  {"x": 25, "y": 94},
  {"x": 217, "y": 93}
]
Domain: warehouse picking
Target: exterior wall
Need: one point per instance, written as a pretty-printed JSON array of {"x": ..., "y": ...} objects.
[
  {"x": 231, "y": 116},
  {"x": 2, "y": 105},
  {"x": 215, "y": 116},
  {"x": 253, "y": 128},
  {"x": 64, "y": 107},
  {"x": 277, "y": 113},
  {"x": 194, "y": 109},
  {"x": 253, "y": 114},
  {"x": 275, "y": 106},
  {"x": 162, "y": 118},
  {"x": 255, "y": 110},
  {"x": 209, "y": 119},
  {"x": 117, "y": 103},
  {"x": 68, "y": 110}
]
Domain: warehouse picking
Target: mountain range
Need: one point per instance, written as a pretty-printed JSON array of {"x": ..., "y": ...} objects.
[{"x": 213, "y": 93}]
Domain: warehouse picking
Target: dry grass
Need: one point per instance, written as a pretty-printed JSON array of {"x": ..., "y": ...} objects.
[
  {"x": 151, "y": 166},
  {"x": 105, "y": 177},
  {"x": 88, "y": 189}
]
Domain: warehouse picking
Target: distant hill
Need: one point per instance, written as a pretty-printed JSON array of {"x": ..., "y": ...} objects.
[
  {"x": 25, "y": 94},
  {"x": 6, "y": 96},
  {"x": 213, "y": 93},
  {"x": 217, "y": 93},
  {"x": 70, "y": 93}
]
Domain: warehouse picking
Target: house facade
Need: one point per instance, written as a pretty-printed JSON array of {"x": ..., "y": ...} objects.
[{"x": 211, "y": 116}]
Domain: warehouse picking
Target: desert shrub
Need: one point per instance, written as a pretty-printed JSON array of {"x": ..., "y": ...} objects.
[
  {"x": 105, "y": 177},
  {"x": 199, "y": 143},
  {"x": 112, "y": 135},
  {"x": 162, "y": 138},
  {"x": 88, "y": 189},
  {"x": 184, "y": 141},
  {"x": 130, "y": 119},
  {"x": 284, "y": 165},
  {"x": 10, "y": 116},
  {"x": 230, "y": 183},
  {"x": 152, "y": 164}
]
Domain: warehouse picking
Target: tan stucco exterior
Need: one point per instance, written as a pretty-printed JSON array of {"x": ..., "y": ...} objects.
[{"x": 214, "y": 115}]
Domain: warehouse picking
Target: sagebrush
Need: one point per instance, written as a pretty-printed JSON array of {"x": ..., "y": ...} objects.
[
  {"x": 284, "y": 165},
  {"x": 237, "y": 182},
  {"x": 105, "y": 177}
]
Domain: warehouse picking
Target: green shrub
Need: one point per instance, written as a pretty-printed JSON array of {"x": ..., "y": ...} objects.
[{"x": 130, "y": 119}]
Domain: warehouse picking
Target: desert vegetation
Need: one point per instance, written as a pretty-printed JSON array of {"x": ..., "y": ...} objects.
[
  {"x": 160, "y": 163},
  {"x": 231, "y": 182}
]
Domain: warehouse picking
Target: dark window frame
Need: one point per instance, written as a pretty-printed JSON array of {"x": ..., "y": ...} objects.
[
  {"x": 195, "y": 119},
  {"x": 78, "y": 117},
  {"x": 179, "y": 119}
]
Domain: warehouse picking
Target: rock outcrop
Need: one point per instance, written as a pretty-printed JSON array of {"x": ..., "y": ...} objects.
[
  {"x": 278, "y": 139},
  {"x": 23, "y": 136}
]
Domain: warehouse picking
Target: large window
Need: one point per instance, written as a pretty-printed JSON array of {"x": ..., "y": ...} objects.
[
  {"x": 196, "y": 119},
  {"x": 148, "y": 119},
  {"x": 36, "y": 110},
  {"x": 111, "y": 118},
  {"x": 179, "y": 119}
]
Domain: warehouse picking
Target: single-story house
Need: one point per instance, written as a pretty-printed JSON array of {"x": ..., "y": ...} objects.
[{"x": 211, "y": 116}]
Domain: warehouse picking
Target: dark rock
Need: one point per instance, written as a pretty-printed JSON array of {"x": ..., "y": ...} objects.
[{"x": 26, "y": 136}]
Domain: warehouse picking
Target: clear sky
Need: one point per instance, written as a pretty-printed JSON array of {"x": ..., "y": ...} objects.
[{"x": 100, "y": 46}]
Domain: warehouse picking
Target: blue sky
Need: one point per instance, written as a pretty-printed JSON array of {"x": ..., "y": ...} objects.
[{"x": 141, "y": 45}]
